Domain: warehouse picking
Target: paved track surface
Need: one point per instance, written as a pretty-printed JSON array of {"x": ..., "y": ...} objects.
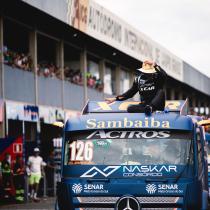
[{"x": 44, "y": 204}]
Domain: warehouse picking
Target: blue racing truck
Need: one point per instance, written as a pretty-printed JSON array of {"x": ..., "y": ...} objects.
[{"x": 130, "y": 161}]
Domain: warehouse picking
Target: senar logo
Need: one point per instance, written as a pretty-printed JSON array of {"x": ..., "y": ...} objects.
[
  {"x": 95, "y": 171},
  {"x": 151, "y": 188},
  {"x": 77, "y": 188}
]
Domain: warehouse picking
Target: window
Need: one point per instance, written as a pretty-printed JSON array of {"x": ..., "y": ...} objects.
[
  {"x": 93, "y": 74},
  {"x": 93, "y": 68},
  {"x": 72, "y": 71},
  {"x": 129, "y": 148},
  {"x": 124, "y": 81},
  {"x": 16, "y": 50},
  {"x": 47, "y": 53},
  {"x": 109, "y": 80}
]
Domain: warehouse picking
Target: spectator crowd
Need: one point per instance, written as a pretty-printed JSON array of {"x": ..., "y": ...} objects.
[
  {"x": 49, "y": 69},
  {"x": 75, "y": 76},
  {"x": 18, "y": 60}
]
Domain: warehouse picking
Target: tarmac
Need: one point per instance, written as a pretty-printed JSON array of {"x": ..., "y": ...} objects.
[{"x": 44, "y": 204}]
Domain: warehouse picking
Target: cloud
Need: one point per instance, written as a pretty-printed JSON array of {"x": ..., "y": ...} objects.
[{"x": 181, "y": 26}]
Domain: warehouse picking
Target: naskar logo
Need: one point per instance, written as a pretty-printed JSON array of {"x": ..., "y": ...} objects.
[
  {"x": 151, "y": 188},
  {"x": 105, "y": 172},
  {"x": 77, "y": 188}
]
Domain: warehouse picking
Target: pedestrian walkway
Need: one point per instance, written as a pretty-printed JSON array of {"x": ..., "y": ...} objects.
[{"x": 44, "y": 204}]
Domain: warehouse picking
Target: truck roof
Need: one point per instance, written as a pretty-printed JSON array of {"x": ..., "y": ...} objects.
[{"x": 116, "y": 117}]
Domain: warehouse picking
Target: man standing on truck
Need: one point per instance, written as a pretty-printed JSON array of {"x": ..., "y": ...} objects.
[
  {"x": 35, "y": 171},
  {"x": 149, "y": 82}
]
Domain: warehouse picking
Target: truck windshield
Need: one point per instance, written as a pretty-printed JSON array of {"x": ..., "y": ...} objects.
[{"x": 129, "y": 148}]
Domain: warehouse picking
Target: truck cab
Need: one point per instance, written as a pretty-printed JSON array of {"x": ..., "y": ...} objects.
[{"x": 118, "y": 160}]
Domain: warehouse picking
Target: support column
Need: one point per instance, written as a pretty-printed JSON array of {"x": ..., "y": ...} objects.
[
  {"x": 180, "y": 95},
  {"x": 193, "y": 101},
  {"x": 117, "y": 76},
  {"x": 83, "y": 67},
  {"x": 205, "y": 106},
  {"x": 60, "y": 65},
  {"x": 2, "y": 93},
  {"x": 33, "y": 53},
  {"x": 60, "y": 57},
  {"x": 199, "y": 106},
  {"x": 208, "y": 110},
  {"x": 1, "y": 59},
  {"x": 102, "y": 69},
  {"x": 172, "y": 94},
  {"x": 132, "y": 77},
  {"x": 102, "y": 72}
]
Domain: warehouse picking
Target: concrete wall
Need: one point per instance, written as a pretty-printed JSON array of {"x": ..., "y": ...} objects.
[
  {"x": 73, "y": 96},
  {"x": 49, "y": 91},
  {"x": 196, "y": 79},
  {"x": 19, "y": 85}
]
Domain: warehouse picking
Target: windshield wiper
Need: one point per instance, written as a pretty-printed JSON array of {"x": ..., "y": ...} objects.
[{"x": 186, "y": 166}]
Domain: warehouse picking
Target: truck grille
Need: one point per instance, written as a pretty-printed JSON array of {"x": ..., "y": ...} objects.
[{"x": 113, "y": 200}]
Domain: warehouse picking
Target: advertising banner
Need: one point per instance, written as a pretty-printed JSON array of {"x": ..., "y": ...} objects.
[
  {"x": 50, "y": 115},
  {"x": 31, "y": 113},
  {"x": 96, "y": 21},
  {"x": 14, "y": 111},
  {"x": 18, "y": 111}
]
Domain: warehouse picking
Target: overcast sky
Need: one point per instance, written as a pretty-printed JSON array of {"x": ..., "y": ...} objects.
[{"x": 181, "y": 26}]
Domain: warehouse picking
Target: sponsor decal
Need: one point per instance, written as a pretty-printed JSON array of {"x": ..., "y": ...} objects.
[
  {"x": 94, "y": 188},
  {"x": 127, "y": 123},
  {"x": 163, "y": 188},
  {"x": 81, "y": 151},
  {"x": 88, "y": 188},
  {"x": 102, "y": 143},
  {"x": 151, "y": 188},
  {"x": 147, "y": 170},
  {"x": 77, "y": 188},
  {"x": 132, "y": 170},
  {"x": 96, "y": 171},
  {"x": 147, "y": 88},
  {"x": 127, "y": 135}
]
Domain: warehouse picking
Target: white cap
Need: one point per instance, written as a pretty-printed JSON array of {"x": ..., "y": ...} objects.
[
  {"x": 36, "y": 149},
  {"x": 147, "y": 71}
]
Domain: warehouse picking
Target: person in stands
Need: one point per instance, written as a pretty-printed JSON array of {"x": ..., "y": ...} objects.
[
  {"x": 35, "y": 171},
  {"x": 149, "y": 82}
]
